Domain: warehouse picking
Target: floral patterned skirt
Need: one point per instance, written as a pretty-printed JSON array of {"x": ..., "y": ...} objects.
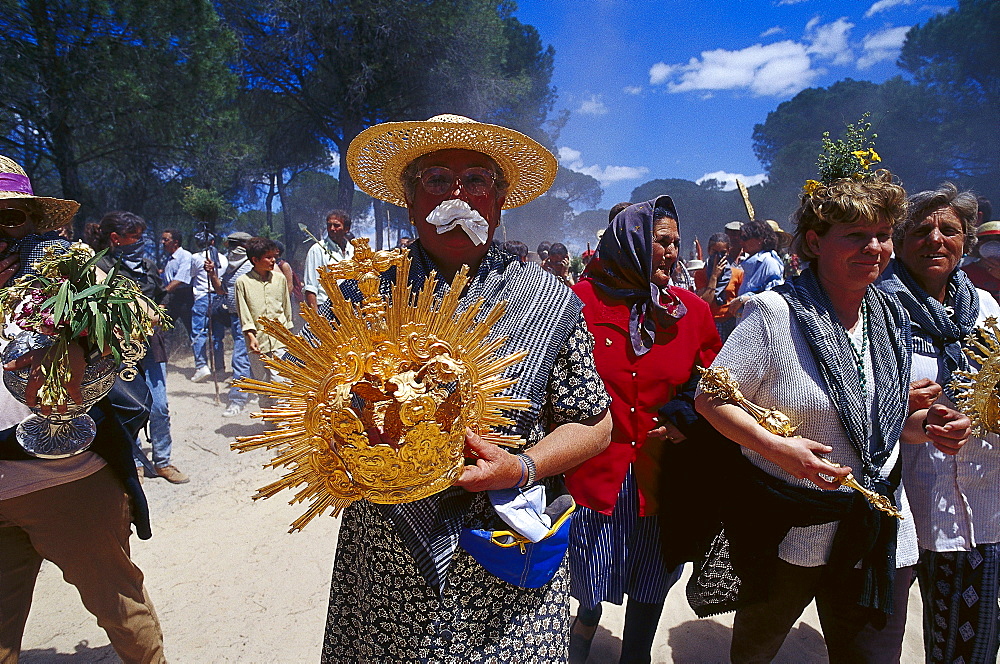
[{"x": 382, "y": 609}]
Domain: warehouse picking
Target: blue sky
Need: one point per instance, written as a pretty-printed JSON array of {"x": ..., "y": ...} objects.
[{"x": 672, "y": 89}]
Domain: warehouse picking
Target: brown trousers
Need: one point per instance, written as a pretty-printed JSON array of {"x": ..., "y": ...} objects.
[
  {"x": 853, "y": 634},
  {"x": 83, "y": 527}
]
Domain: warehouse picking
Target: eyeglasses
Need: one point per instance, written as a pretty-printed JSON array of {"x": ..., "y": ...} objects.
[
  {"x": 438, "y": 180},
  {"x": 12, "y": 217}
]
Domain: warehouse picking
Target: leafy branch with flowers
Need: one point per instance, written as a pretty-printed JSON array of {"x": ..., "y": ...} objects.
[
  {"x": 849, "y": 157},
  {"x": 68, "y": 298}
]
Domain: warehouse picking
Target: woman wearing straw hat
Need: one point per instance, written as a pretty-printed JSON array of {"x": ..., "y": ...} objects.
[
  {"x": 75, "y": 511},
  {"x": 402, "y": 589}
]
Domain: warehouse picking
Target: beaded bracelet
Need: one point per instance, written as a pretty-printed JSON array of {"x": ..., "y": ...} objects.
[
  {"x": 524, "y": 469},
  {"x": 530, "y": 465}
]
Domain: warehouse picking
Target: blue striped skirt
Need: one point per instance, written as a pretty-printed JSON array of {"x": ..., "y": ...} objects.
[{"x": 618, "y": 555}]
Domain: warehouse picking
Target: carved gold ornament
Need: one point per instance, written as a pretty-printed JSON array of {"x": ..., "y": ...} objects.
[
  {"x": 719, "y": 383},
  {"x": 411, "y": 366},
  {"x": 976, "y": 394}
]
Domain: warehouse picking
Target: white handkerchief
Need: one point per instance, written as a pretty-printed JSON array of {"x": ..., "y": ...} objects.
[
  {"x": 523, "y": 510},
  {"x": 456, "y": 212}
]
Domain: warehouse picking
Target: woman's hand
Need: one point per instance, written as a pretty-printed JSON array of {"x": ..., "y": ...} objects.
[
  {"x": 798, "y": 457},
  {"x": 495, "y": 468},
  {"x": 923, "y": 393},
  {"x": 9, "y": 265},
  {"x": 947, "y": 429},
  {"x": 36, "y": 359},
  {"x": 665, "y": 432}
]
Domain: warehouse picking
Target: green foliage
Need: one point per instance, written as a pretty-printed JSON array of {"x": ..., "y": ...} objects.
[
  {"x": 954, "y": 56},
  {"x": 940, "y": 127},
  {"x": 205, "y": 205},
  {"x": 850, "y": 156},
  {"x": 113, "y": 100},
  {"x": 64, "y": 299},
  {"x": 339, "y": 67},
  {"x": 702, "y": 209},
  {"x": 787, "y": 143}
]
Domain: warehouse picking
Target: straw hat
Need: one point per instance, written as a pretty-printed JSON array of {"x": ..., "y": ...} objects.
[
  {"x": 990, "y": 230},
  {"x": 14, "y": 183},
  {"x": 377, "y": 157},
  {"x": 784, "y": 237}
]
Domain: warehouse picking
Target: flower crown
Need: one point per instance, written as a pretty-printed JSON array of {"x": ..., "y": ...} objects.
[{"x": 849, "y": 157}]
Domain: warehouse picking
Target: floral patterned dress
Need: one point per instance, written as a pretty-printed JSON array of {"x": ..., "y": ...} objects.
[{"x": 383, "y": 609}]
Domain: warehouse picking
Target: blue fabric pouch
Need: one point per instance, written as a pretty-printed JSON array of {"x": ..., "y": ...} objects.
[{"x": 509, "y": 556}]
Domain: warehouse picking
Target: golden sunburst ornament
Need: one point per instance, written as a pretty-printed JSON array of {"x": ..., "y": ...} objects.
[
  {"x": 976, "y": 394},
  {"x": 411, "y": 366}
]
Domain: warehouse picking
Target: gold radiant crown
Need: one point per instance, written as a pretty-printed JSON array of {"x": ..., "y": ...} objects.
[
  {"x": 978, "y": 394},
  {"x": 376, "y": 406}
]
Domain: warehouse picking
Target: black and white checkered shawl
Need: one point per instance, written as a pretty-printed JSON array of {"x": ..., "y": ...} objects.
[
  {"x": 889, "y": 340},
  {"x": 539, "y": 317}
]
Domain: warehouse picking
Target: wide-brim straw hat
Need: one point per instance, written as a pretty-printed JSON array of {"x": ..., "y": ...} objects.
[
  {"x": 14, "y": 183},
  {"x": 378, "y": 156}
]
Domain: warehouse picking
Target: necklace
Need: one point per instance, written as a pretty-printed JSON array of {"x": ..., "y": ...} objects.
[{"x": 861, "y": 349}]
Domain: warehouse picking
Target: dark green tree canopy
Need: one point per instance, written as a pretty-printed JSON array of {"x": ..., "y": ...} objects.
[{"x": 116, "y": 100}]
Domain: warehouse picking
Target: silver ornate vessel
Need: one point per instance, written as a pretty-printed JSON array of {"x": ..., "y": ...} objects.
[{"x": 57, "y": 435}]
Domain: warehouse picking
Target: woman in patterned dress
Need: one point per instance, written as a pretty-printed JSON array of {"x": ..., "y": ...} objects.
[
  {"x": 649, "y": 336},
  {"x": 402, "y": 590}
]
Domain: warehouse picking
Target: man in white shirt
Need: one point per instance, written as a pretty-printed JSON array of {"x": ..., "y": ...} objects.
[
  {"x": 177, "y": 275},
  {"x": 204, "y": 296},
  {"x": 333, "y": 247}
]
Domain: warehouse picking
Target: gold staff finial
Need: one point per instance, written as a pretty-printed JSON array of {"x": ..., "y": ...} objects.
[{"x": 718, "y": 382}]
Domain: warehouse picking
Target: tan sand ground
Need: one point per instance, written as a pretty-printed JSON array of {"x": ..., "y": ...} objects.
[{"x": 230, "y": 585}]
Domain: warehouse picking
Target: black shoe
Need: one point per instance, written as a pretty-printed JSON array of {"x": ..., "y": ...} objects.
[{"x": 580, "y": 638}]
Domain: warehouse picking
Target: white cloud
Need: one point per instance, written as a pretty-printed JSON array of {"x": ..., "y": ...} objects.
[
  {"x": 660, "y": 72},
  {"x": 830, "y": 41},
  {"x": 770, "y": 32},
  {"x": 789, "y": 2},
  {"x": 882, "y": 45},
  {"x": 593, "y": 106},
  {"x": 573, "y": 160},
  {"x": 885, "y": 5},
  {"x": 728, "y": 180},
  {"x": 781, "y": 68},
  {"x": 632, "y": 90}
]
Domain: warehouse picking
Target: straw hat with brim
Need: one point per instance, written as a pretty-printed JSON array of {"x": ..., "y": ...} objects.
[
  {"x": 14, "y": 183},
  {"x": 989, "y": 230},
  {"x": 378, "y": 156},
  {"x": 784, "y": 237}
]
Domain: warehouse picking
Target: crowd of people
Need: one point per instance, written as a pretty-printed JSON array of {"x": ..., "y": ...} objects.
[{"x": 852, "y": 325}]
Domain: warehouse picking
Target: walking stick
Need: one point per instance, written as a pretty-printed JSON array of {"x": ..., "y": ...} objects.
[{"x": 213, "y": 255}]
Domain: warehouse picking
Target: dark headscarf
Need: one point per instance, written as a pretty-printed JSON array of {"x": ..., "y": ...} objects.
[
  {"x": 946, "y": 327},
  {"x": 623, "y": 266}
]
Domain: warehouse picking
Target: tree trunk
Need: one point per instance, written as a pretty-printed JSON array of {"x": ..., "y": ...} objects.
[
  {"x": 345, "y": 194},
  {"x": 269, "y": 201},
  {"x": 286, "y": 212},
  {"x": 380, "y": 219}
]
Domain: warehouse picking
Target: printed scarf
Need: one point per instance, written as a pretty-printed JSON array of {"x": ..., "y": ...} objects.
[{"x": 932, "y": 319}]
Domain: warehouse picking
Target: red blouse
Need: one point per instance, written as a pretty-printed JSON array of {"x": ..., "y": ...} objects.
[{"x": 638, "y": 386}]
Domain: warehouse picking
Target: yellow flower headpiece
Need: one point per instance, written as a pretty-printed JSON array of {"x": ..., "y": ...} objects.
[{"x": 849, "y": 157}]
